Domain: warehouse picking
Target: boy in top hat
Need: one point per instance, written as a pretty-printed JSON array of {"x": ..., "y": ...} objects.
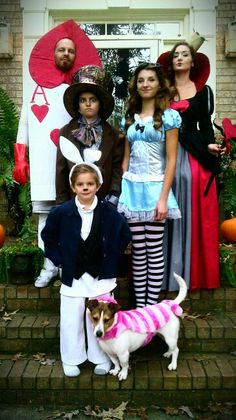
[{"x": 90, "y": 103}]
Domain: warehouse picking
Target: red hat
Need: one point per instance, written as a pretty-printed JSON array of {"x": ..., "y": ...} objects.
[
  {"x": 198, "y": 74},
  {"x": 42, "y": 65}
]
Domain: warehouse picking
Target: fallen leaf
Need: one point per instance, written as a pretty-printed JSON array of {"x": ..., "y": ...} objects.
[
  {"x": 138, "y": 412},
  {"x": 45, "y": 323},
  {"x": 187, "y": 411},
  {"x": 8, "y": 316},
  {"x": 171, "y": 411},
  {"x": 217, "y": 408},
  {"x": 110, "y": 414},
  {"x": 191, "y": 316},
  {"x": 57, "y": 283},
  {"x": 18, "y": 356},
  {"x": 39, "y": 357}
]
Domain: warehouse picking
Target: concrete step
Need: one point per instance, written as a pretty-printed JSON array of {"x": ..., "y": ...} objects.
[
  {"x": 199, "y": 378},
  {"x": 30, "y": 332},
  {"x": 29, "y": 298}
]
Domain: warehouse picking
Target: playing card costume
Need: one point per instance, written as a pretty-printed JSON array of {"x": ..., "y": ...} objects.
[{"x": 43, "y": 113}]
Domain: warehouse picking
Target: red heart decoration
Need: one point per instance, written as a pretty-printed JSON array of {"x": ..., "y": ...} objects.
[
  {"x": 40, "y": 111},
  {"x": 54, "y": 136}
]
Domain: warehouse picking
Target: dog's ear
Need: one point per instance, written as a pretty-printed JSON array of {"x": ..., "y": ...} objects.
[
  {"x": 114, "y": 307},
  {"x": 92, "y": 304}
]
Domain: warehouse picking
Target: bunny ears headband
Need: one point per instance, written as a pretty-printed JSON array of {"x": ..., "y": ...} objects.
[{"x": 72, "y": 153}]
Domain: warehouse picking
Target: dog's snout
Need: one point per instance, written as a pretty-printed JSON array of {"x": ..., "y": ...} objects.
[{"x": 99, "y": 333}]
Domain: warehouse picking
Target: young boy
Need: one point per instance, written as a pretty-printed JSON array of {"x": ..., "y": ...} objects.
[
  {"x": 90, "y": 103},
  {"x": 86, "y": 237}
]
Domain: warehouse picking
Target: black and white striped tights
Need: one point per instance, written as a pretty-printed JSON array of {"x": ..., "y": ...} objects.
[{"x": 147, "y": 261}]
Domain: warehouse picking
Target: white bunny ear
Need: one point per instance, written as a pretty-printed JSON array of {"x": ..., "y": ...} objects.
[
  {"x": 92, "y": 155},
  {"x": 69, "y": 150}
]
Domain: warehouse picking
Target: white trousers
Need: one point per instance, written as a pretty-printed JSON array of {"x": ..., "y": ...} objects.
[
  {"x": 73, "y": 334},
  {"x": 42, "y": 217}
]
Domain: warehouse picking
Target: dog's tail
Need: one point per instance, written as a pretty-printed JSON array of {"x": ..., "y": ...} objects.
[{"x": 182, "y": 289}]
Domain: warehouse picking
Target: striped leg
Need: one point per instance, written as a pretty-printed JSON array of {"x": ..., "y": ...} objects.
[
  {"x": 139, "y": 263},
  {"x": 154, "y": 232}
]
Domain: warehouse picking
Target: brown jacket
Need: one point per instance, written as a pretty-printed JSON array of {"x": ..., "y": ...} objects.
[{"x": 112, "y": 148}]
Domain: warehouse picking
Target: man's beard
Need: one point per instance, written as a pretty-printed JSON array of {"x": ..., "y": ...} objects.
[{"x": 65, "y": 66}]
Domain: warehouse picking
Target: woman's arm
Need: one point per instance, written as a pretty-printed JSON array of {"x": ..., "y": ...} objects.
[
  {"x": 125, "y": 163},
  {"x": 171, "y": 156}
]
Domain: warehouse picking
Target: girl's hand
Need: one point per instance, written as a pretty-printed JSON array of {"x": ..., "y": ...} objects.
[
  {"x": 161, "y": 210},
  {"x": 216, "y": 149}
]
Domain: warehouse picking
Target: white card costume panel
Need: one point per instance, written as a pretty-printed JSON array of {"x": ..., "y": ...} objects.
[{"x": 39, "y": 126}]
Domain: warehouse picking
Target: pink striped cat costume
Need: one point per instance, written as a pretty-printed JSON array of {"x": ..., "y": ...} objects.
[{"x": 145, "y": 320}]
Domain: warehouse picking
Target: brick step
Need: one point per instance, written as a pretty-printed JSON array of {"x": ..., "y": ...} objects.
[
  {"x": 30, "y": 298},
  {"x": 198, "y": 379},
  {"x": 32, "y": 333}
]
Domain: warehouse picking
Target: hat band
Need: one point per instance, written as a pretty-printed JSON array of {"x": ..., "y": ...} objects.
[{"x": 86, "y": 80}]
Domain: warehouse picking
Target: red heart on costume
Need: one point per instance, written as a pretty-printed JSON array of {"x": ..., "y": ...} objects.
[
  {"x": 40, "y": 111},
  {"x": 54, "y": 136}
]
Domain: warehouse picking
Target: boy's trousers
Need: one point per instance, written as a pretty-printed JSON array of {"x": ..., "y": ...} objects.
[{"x": 77, "y": 343}]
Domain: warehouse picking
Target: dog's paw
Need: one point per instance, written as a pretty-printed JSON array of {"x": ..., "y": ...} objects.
[
  {"x": 167, "y": 354},
  {"x": 114, "y": 371},
  {"x": 122, "y": 376},
  {"x": 172, "y": 366}
]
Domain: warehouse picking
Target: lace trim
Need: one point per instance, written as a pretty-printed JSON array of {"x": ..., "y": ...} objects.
[{"x": 148, "y": 216}]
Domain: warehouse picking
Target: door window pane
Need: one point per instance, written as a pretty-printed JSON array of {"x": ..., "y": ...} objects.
[
  {"x": 143, "y": 28},
  {"x": 120, "y": 64},
  {"x": 118, "y": 29},
  {"x": 93, "y": 28}
]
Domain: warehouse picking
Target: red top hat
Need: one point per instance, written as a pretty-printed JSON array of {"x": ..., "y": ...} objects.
[
  {"x": 198, "y": 74},
  {"x": 42, "y": 64}
]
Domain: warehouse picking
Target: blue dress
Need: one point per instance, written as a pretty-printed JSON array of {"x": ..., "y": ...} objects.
[{"x": 142, "y": 183}]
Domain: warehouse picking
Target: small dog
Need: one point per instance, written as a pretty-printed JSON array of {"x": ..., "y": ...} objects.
[{"x": 122, "y": 332}]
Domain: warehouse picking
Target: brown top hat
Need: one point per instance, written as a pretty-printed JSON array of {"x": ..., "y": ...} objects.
[
  {"x": 200, "y": 72},
  {"x": 89, "y": 79}
]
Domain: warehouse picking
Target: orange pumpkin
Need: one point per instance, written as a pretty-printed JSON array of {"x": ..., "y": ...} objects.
[
  {"x": 2, "y": 235},
  {"x": 228, "y": 230}
]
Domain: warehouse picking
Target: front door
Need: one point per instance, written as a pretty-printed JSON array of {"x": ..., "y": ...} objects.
[{"x": 120, "y": 58}]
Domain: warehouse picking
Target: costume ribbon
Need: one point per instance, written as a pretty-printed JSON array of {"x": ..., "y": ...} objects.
[{"x": 89, "y": 134}]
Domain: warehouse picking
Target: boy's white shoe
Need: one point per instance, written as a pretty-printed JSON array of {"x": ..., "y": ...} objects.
[
  {"x": 48, "y": 272},
  {"x": 102, "y": 368},
  {"x": 45, "y": 277},
  {"x": 70, "y": 370}
]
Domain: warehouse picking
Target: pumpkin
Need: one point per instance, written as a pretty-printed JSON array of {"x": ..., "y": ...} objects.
[
  {"x": 228, "y": 230},
  {"x": 2, "y": 235}
]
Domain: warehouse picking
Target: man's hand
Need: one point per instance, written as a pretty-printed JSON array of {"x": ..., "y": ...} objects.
[{"x": 20, "y": 171}]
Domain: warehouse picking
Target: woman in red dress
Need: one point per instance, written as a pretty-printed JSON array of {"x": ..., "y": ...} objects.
[{"x": 193, "y": 241}]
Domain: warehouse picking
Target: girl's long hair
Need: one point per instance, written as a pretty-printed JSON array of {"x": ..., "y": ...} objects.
[{"x": 163, "y": 97}]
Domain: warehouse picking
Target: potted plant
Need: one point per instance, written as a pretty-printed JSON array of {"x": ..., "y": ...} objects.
[
  {"x": 20, "y": 257},
  {"x": 18, "y": 196},
  {"x": 20, "y": 262},
  {"x": 227, "y": 201}
]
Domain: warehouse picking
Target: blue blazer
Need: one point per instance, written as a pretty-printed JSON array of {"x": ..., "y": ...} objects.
[{"x": 61, "y": 239}]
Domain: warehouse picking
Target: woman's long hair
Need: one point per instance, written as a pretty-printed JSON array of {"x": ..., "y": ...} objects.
[
  {"x": 170, "y": 71},
  {"x": 163, "y": 96}
]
